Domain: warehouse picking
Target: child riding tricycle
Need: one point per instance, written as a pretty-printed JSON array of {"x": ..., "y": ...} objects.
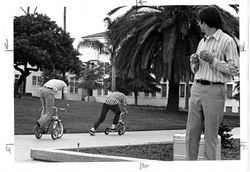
[{"x": 55, "y": 126}]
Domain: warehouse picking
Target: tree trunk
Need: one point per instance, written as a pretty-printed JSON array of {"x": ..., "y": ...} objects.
[
  {"x": 187, "y": 95},
  {"x": 89, "y": 93},
  {"x": 173, "y": 96},
  {"x": 136, "y": 98},
  {"x": 16, "y": 92},
  {"x": 26, "y": 73},
  {"x": 62, "y": 90},
  {"x": 113, "y": 80},
  {"x": 21, "y": 80}
]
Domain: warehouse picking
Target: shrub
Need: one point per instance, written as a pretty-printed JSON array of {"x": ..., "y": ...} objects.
[{"x": 226, "y": 139}]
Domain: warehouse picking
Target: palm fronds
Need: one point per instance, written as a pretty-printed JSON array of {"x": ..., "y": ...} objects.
[{"x": 159, "y": 38}]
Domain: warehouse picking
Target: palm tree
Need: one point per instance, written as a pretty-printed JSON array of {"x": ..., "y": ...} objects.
[
  {"x": 104, "y": 48},
  {"x": 160, "y": 39}
]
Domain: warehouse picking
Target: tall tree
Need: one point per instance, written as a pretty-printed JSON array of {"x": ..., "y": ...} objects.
[
  {"x": 160, "y": 39},
  {"x": 55, "y": 74},
  {"x": 91, "y": 77},
  {"x": 142, "y": 83},
  {"x": 39, "y": 44}
]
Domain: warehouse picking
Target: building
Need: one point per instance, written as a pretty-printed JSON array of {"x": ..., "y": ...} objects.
[{"x": 147, "y": 99}]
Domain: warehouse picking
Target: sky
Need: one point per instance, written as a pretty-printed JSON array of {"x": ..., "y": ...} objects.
[{"x": 83, "y": 17}]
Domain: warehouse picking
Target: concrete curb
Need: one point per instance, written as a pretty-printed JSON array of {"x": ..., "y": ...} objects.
[
  {"x": 25, "y": 144},
  {"x": 53, "y": 155}
]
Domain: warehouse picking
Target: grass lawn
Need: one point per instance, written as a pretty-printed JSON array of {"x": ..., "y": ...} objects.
[{"x": 81, "y": 116}]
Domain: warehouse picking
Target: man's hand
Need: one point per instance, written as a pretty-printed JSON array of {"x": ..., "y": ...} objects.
[
  {"x": 206, "y": 56},
  {"x": 233, "y": 69},
  {"x": 194, "y": 58}
]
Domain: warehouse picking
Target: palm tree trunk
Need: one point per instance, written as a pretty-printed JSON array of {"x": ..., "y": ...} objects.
[
  {"x": 62, "y": 90},
  {"x": 136, "y": 98},
  {"x": 173, "y": 96},
  {"x": 187, "y": 93},
  {"x": 113, "y": 84}
]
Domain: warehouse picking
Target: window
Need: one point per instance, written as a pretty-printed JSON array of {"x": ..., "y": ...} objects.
[
  {"x": 36, "y": 80},
  {"x": 164, "y": 90},
  {"x": 190, "y": 86},
  {"x": 33, "y": 80},
  {"x": 99, "y": 92},
  {"x": 182, "y": 90},
  {"x": 16, "y": 78},
  {"x": 73, "y": 86},
  {"x": 146, "y": 94},
  {"x": 76, "y": 87},
  {"x": 39, "y": 80},
  {"x": 229, "y": 91},
  {"x": 229, "y": 109}
]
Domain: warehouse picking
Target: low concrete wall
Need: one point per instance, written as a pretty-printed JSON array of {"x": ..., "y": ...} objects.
[{"x": 54, "y": 155}]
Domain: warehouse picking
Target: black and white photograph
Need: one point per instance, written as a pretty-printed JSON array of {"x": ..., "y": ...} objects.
[{"x": 125, "y": 85}]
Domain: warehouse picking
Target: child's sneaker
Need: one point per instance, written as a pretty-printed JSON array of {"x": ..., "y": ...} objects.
[
  {"x": 91, "y": 132},
  {"x": 113, "y": 129}
]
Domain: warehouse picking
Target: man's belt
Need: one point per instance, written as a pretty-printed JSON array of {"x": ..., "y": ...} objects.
[
  {"x": 48, "y": 87},
  {"x": 205, "y": 82}
]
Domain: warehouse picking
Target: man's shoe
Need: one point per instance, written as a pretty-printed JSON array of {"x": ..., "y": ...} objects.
[
  {"x": 38, "y": 124},
  {"x": 36, "y": 127},
  {"x": 91, "y": 132},
  {"x": 37, "y": 130},
  {"x": 44, "y": 130}
]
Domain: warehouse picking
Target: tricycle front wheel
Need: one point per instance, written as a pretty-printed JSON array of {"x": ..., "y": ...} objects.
[
  {"x": 60, "y": 130},
  {"x": 54, "y": 134},
  {"x": 38, "y": 132},
  {"x": 121, "y": 129},
  {"x": 106, "y": 131}
]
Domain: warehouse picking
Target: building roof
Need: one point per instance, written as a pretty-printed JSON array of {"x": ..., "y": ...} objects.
[{"x": 101, "y": 34}]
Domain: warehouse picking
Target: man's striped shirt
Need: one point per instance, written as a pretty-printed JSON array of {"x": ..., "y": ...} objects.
[
  {"x": 116, "y": 98},
  {"x": 226, "y": 59},
  {"x": 56, "y": 85}
]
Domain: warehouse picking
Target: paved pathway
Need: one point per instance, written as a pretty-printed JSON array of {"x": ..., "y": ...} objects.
[{"x": 23, "y": 143}]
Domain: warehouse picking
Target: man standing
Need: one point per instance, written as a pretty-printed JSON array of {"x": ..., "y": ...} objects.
[
  {"x": 47, "y": 97},
  {"x": 113, "y": 101},
  {"x": 215, "y": 62}
]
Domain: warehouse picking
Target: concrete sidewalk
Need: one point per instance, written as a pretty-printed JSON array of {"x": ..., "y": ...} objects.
[{"x": 24, "y": 143}]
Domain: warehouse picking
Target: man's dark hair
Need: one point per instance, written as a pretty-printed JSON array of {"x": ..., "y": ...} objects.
[
  {"x": 211, "y": 16},
  {"x": 122, "y": 90}
]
